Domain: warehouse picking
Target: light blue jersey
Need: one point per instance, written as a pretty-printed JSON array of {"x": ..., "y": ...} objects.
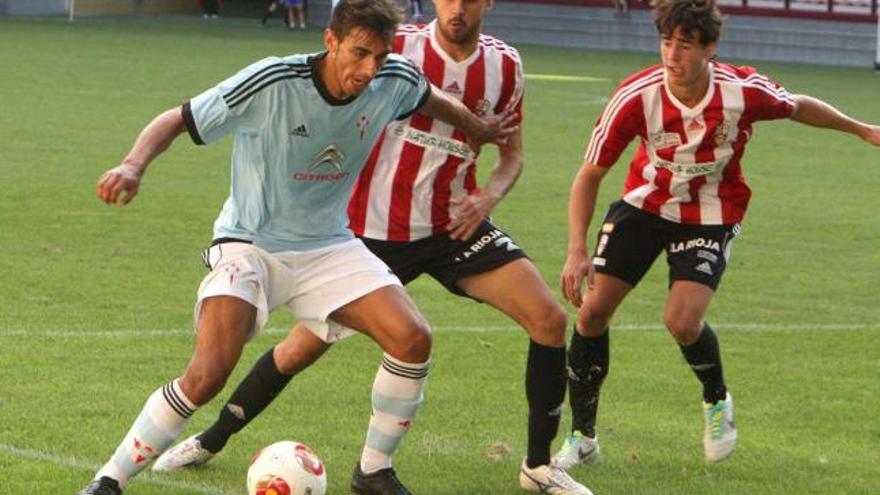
[{"x": 297, "y": 150}]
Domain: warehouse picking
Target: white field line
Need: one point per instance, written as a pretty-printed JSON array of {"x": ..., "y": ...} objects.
[
  {"x": 80, "y": 464},
  {"x": 651, "y": 327},
  {"x": 557, "y": 77}
]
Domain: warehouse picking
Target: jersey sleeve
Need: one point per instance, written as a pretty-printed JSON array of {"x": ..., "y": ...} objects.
[
  {"x": 512, "y": 86},
  {"x": 236, "y": 104},
  {"x": 766, "y": 99},
  {"x": 619, "y": 123},
  {"x": 410, "y": 90}
]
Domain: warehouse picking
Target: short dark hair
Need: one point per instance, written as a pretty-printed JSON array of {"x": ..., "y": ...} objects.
[
  {"x": 700, "y": 16},
  {"x": 380, "y": 17}
]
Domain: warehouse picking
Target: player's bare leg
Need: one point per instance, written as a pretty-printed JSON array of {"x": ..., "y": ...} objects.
[
  {"x": 588, "y": 362},
  {"x": 224, "y": 324},
  {"x": 266, "y": 379},
  {"x": 685, "y": 307},
  {"x": 518, "y": 290}
]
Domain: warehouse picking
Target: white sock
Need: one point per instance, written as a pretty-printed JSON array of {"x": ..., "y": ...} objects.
[
  {"x": 397, "y": 395},
  {"x": 160, "y": 422}
]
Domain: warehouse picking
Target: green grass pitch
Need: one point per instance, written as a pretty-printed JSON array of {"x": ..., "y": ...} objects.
[{"x": 96, "y": 301}]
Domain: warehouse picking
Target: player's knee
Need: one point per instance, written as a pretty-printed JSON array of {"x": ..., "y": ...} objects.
[
  {"x": 594, "y": 319},
  {"x": 415, "y": 344},
  {"x": 684, "y": 328},
  {"x": 200, "y": 384},
  {"x": 290, "y": 360},
  {"x": 548, "y": 326}
]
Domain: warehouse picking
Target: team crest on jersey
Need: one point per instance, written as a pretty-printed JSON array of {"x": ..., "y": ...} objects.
[
  {"x": 362, "y": 124},
  {"x": 721, "y": 133}
]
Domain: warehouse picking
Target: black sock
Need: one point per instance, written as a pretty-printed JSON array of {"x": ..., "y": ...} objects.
[
  {"x": 258, "y": 389},
  {"x": 705, "y": 360},
  {"x": 588, "y": 361},
  {"x": 545, "y": 391}
]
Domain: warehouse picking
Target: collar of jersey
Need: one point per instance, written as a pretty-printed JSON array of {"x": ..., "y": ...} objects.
[
  {"x": 690, "y": 112},
  {"x": 319, "y": 83},
  {"x": 445, "y": 56}
]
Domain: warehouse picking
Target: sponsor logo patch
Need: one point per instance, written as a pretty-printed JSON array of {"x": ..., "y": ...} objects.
[
  {"x": 331, "y": 155},
  {"x": 690, "y": 169},
  {"x": 495, "y": 237},
  {"x": 427, "y": 140},
  {"x": 661, "y": 140},
  {"x": 699, "y": 242}
]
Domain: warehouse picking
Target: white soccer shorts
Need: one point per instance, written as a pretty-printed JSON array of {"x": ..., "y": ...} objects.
[{"x": 312, "y": 284}]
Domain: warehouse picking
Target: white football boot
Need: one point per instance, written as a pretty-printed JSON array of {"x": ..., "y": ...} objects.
[
  {"x": 551, "y": 479},
  {"x": 187, "y": 453},
  {"x": 719, "y": 437},
  {"x": 577, "y": 449}
]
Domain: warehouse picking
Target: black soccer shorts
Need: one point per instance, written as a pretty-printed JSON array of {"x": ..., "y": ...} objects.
[
  {"x": 445, "y": 259},
  {"x": 630, "y": 239}
]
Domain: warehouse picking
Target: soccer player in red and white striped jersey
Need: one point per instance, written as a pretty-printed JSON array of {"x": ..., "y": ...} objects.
[
  {"x": 685, "y": 193},
  {"x": 418, "y": 207},
  {"x": 421, "y": 168}
]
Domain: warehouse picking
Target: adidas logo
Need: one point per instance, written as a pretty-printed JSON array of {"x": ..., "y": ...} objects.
[
  {"x": 300, "y": 131},
  {"x": 704, "y": 267},
  {"x": 453, "y": 88}
]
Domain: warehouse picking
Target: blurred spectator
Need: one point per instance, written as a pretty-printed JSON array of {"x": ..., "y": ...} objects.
[
  {"x": 621, "y": 8},
  {"x": 210, "y": 8},
  {"x": 414, "y": 9},
  {"x": 295, "y": 10},
  {"x": 296, "y": 13}
]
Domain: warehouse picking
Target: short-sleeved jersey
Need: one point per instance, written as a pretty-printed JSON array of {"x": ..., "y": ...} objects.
[
  {"x": 297, "y": 150},
  {"x": 687, "y": 167},
  {"x": 420, "y": 164}
]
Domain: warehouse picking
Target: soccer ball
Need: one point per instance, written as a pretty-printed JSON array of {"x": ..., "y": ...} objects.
[{"x": 286, "y": 468}]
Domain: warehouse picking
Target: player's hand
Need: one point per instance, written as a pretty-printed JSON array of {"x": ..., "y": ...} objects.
[
  {"x": 494, "y": 129},
  {"x": 119, "y": 185},
  {"x": 872, "y": 135},
  {"x": 577, "y": 267},
  {"x": 468, "y": 213}
]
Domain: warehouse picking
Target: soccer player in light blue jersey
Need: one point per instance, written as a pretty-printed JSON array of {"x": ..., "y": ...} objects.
[{"x": 303, "y": 126}]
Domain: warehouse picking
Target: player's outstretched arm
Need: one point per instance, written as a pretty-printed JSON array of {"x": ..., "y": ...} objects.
[
  {"x": 581, "y": 205},
  {"x": 817, "y": 113},
  {"x": 119, "y": 185},
  {"x": 494, "y": 129},
  {"x": 470, "y": 211}
]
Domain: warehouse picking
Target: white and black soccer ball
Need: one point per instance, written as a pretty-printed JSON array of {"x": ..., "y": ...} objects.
[{"x": 286, "y": 468}]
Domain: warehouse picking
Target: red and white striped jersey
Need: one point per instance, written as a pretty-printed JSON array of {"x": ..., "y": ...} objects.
[
  {"x": 419, "y": 164},
  {"x": 687, "y": 167}
]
